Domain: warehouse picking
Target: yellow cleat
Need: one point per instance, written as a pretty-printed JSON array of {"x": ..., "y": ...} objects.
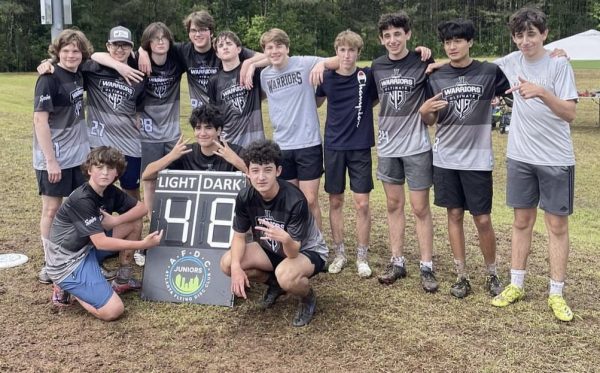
[
  {"x": 509, "y": 295},
  {"x": 559, "y": 306}
]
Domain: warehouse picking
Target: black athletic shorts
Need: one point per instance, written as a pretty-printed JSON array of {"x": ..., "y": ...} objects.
[
  {"x": 314, "y": 258},
  {"x": 302, "y": 164},
  {"x": 359, "y": 165},
  {"x": 469, "y": 190},
  {"x": 71, "y": 179}
]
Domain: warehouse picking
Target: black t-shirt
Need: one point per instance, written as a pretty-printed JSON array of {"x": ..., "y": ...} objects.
[
  {"x": 288, "y": 210},
  {"x": 198, "y": 161}
]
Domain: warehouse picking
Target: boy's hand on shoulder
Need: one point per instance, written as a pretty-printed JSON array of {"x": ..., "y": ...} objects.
[{"x": 424, "y": 51}]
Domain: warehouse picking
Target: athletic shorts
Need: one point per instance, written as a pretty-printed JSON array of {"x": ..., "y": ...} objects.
[
  {"x": 153, "y": 151},
  {"x": 71, "y": 179},
  {"x": 469, "y": 190},
  {"x": 131, "y": 178},
  {"x": 302, "y": 164},
  {"x": 550, "y": 187},
  {"x": 359, "y": 165},
  {"x": 416, "y": 169},
  {"x": 314, "y": 258},
  {"x": 87, "y": 282}
]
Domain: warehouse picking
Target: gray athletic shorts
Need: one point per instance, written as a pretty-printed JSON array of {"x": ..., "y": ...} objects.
[
  {"x": 153, "y": 151},
  {"x": 416, "y": 169},
  {"x": 550, "y": 187}
]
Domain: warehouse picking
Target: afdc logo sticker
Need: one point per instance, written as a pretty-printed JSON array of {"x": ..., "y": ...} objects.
[{"x": 188, "y": 276}]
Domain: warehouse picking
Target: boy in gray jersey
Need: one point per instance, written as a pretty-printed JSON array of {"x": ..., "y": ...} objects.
[
  {"x": 541, "y": 162},
  {"x": 403, "y": 147},
  {"x": 60, "y": 141},
  {"x": 462, "y": 149}
]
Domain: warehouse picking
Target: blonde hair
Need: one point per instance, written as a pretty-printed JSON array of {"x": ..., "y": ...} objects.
[
  {"x": 275, "y": 35},
  {"x": 348, "y": 38}
]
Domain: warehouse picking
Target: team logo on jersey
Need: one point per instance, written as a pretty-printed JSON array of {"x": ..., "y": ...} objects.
[
  {"x": 77, "y": 100},
  {"x": 160, "y": 84},
  {"x": 275, "y": 246},
  {"x": 202, "y": 74},
  {"x": 284, "y": 81},
  {"x": 397, "y": 88},
  {"x": 188, "y": 275},
  {"x": 116, "y": 92},
  {"x": 462, "y": 96},
  {"x": 235, "y": 95}
]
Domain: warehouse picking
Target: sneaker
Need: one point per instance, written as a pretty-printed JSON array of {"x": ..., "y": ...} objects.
[
  {"x": 391, "y": 274},
  {"x": 493, "y": 285},
  {"x": 559, "y": 306},
  {"x": 509, "y": 295},
  {"x": 428, "y": 280},
  {"x": 306, "y": 309},
  {"x": 60, "y": 298},
  {"x": 130, "y": 284},
  {"x": 461, "y": 288},
  {"x": 139, "y": 257},
  {"x": 273, "y": 292},
  {"x": 43, "y": 276},
  {"x": 107, "y": 273},
  {"x": 363, "y": 269},
  {"x": 338, "y": 263}
]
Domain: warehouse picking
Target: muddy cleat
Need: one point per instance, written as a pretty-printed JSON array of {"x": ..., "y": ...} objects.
[
  {"x": 43, "y": 276},
  {"x": 461, "y": 288},
  {"x": 559, "y": 306},
  {"x": 60, "y": 298},
  {"x": 493, "y": 285},
  {"x": 107, "y": 273},
  {"x": 428, "y": 280},
  {"x": 306, "y": 309},
  {"x": 273, "y": 292},
  {"x": 391, "y": 274},
  {"x": 509, "y": 295},
  {"x": 338, "y": 263},
  {"x": 121, "y": 287}
]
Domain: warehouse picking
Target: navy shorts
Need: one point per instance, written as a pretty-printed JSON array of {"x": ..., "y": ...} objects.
[{"x": 131, "y": 178}]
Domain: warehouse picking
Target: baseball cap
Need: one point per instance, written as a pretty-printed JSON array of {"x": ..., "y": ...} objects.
[{"x": 120, "y": 34}]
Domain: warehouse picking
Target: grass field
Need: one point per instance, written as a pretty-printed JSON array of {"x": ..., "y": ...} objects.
[{"x": 359, "y": 326}]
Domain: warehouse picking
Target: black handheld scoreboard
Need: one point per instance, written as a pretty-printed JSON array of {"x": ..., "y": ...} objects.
[{"x": 195, "y": 210}]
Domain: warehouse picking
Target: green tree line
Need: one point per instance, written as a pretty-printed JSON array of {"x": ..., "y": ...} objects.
[{"x": 311, "y": 24}]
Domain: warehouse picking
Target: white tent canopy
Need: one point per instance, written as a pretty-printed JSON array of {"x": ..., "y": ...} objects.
[{"x": 582, "y": 46}]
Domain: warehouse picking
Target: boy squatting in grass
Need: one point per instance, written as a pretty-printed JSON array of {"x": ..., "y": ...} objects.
[
  {"x": 287, "y": 248},
  {"x": 80, "y": 230}
]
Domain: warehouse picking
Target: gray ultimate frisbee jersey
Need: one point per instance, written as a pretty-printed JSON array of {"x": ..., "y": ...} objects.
[
  {"x": 112, "y": 107},
  {"x": 401, "y": 91},
  {"x": 61, "y": 95},
  {"x": 463, "y": 136}
]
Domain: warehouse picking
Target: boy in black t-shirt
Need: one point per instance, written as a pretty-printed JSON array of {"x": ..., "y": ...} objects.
[
  {"x": 84, "y": 225},
  {"x": 287, "y": 247},
  {"x": 207, "y": 154}
]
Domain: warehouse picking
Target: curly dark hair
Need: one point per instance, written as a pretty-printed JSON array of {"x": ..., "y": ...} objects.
[
  {"x": 104, "y": 155},
  {"x": 262, "y": 152},
  {"x": 526, "y": 18},
  {"x": 399, "y": 19},
  {"x": 207, "y": 114}
]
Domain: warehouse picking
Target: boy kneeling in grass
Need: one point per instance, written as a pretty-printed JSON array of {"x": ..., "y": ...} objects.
[{"x": 84, "y": 225}]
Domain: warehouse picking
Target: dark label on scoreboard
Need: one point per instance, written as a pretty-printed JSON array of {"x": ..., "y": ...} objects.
[{"x": 195, "y": 209}]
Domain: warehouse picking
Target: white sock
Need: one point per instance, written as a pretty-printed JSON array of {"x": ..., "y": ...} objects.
[
  {"x": 398, "y": 261},
  {"x": 517, "y": 277},
  {"x": 340, "y": 249},
  {"x": 491, "y": 268},
  {"x": 556, "y": 287},
  {"x": 429, "y": 265}
]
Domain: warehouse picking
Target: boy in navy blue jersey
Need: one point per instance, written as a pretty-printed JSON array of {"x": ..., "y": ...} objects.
[{"x": 351, "y": 94}]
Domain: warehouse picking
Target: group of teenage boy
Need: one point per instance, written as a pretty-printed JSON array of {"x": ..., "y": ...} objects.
[{"x": 133, "y": 128}]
